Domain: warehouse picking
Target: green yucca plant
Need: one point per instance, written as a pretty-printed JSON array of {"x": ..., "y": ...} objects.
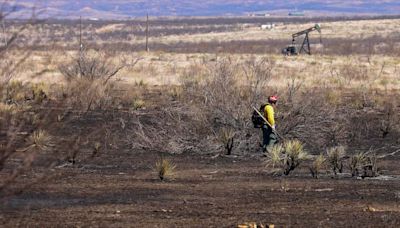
[
  {"x": 165, "y": 168},
  {"x": 96, "y": 149},
  {"x": 138, "y": 103},
  {"x": 38, "y": 92},
  {"x": 274, "y": 157},
  {"x": 40, "y": 140},
  {"x": 141, "y": 83},
  {"x": 317, "y": 166},
  {"x": 335, "y": 157},
  {"x": 294, "y": 154},
  {"x": 356, "y": 163},
  {"x": 370, "y": 167},
  {"x": 288, "y": 156}
]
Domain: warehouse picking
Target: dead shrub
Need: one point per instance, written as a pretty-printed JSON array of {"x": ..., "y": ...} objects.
[
  {"x": 293, "y": 87},
  {"x": 223, "y": 92},
  {"x": 354, "y": 71},
  {"x": 391, "y": 119},
  {"x": 258, "y": 74},
  {"x": 227, "y": 87},
  {"x": 91, "y": 66},
  {"x": 309, "y": 118},
  {"x": 86, "y": 95},
  {"x": 88, "y": 78}
]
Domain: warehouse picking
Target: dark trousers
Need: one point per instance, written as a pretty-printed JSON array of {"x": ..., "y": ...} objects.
[{"x": 269, "y": 138}]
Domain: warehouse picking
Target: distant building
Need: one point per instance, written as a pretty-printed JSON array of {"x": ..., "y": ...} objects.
[
  {"x": 267, "y": 26},
  {"x": 259, "y": 14}
]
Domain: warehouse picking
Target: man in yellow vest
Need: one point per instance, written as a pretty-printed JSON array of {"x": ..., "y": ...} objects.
[{"x": 268, "y": 130}]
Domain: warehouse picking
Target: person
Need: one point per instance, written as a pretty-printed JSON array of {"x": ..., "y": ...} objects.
[{"x": 270, "y": 137}]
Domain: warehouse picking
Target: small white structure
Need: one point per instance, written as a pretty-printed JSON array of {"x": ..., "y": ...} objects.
[
  {"x": 259, "y": 14},
  {"x": 268, "y": 26}
]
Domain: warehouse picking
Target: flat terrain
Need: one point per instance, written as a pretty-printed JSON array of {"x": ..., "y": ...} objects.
[
  {"x": 177, "y": 101},
  {"x": 122, "y": 190}
]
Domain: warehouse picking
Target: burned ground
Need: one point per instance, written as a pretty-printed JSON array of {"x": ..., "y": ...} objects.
[
  {"x": 119, "y": 186},
  {"x": 221, "y": 191}
]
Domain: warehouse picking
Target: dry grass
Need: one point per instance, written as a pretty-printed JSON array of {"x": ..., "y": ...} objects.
[{"x": 326, "y": 71}]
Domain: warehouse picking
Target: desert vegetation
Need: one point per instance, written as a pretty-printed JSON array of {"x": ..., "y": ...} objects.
[{"x": 106, "y": 120}]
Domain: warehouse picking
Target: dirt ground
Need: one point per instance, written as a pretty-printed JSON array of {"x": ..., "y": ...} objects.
[{"x": 121, "y": 189}]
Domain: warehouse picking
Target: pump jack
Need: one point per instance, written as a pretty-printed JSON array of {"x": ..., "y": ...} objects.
[{"x": 305, "y": 47}]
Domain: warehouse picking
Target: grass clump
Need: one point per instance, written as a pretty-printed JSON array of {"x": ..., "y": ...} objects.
[{"x": 165, "y": 168}]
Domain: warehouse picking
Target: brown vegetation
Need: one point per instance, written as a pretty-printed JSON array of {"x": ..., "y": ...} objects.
[{"x": 106, "y": 122}]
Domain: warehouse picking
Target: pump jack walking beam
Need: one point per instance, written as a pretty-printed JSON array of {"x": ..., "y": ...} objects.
[{"x": 306, "y": 42}]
